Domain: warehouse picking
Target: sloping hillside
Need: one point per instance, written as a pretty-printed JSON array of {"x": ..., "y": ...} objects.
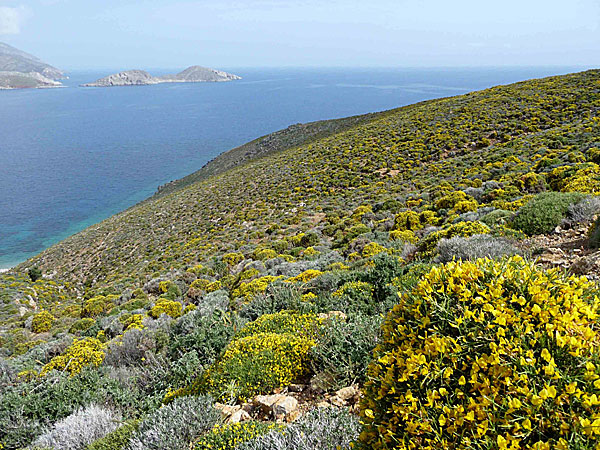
[
  {"x": 14, "y": 60},
  {"x": 432, "y": 269},
  {"x": 409, "y": 151}
]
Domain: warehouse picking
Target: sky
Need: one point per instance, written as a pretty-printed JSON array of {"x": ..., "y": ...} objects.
[{"x": 127, "y": 34}]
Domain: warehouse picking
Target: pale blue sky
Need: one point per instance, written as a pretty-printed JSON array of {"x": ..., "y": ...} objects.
[{"x": 80, "y": 34}]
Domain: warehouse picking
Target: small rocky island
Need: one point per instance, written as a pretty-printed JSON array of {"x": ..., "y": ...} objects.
[
  {"x": 19, "y": 70},
  {"x": 194, "y": 74}
]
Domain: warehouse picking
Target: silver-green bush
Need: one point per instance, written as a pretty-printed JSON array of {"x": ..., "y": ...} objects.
[{"x": 176, "y": 425}]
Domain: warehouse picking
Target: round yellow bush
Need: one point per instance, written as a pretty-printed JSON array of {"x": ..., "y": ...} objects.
[
  {"x": 81, "y": 353},
  {"x": 257, "y": 364},
  {"x": 165, "y": 306},
  {"x": 487, "y": 355},
  {"x": 42, "y": 322}
]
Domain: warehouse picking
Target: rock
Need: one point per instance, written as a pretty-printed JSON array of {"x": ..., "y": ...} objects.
[
  {"x": 239, "y": 416},
  {"x": 266, "y": 402},
  {"x": 347, "y": 393},
  {"x": 323, "y": 405},
  {"x": 336, "y": 401},
  {"x": 227, "y": 410},
  {"x": 284, "y": 407},
  {"x": 280, "y": 406}
]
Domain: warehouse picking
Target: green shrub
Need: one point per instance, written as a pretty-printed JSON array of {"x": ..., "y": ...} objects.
[
  {"x": 82, "y": 325},
  {"x": 176, "y": 425},
  {"x": 544, "y": 212},
  {"x": 344, "y": 350},
  {"x": 490, "y": 355},
  {"x": 34, "y": 273},
  {"x": 207, "y": 336},
  {"x": 118, "y": 439}
]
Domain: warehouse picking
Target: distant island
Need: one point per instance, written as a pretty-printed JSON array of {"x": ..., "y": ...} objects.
[
  {"x": 193, "y": 74},
  {"x": 19, "y": 70}
]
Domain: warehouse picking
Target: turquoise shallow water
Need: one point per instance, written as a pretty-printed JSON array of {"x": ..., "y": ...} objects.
[{"x": 72, "y": 157}]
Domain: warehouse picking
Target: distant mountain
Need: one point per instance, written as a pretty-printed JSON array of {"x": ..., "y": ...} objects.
[
  {"x": 22, "y": 70},
  {"x": 193, "y": 74}
]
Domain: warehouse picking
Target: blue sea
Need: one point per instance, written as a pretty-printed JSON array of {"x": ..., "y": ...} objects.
[{"x": 74, "y": 156}]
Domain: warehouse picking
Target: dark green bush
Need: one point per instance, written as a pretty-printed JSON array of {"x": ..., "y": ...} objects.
[
  {"x": 34, "y": 273},
  {"x": 545, "y": 212},
  {"x": 118, "y": 439}
]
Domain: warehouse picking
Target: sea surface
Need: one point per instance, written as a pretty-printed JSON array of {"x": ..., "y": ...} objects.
[{"x": 74, "y": 156}]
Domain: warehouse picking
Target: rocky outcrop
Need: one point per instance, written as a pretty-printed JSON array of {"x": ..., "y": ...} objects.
[
  {"x": 194, "y": 74},
  {"x": 199, "y": 74},
  {"x": 127, "y": 78}
]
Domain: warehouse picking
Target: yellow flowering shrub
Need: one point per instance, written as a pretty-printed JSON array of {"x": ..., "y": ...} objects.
[
  {"x": 257, "y": 364},
  {"x": 404, "y": 236},
  {"x": 229, "y": 436},
  {"x": 372, "y": 249},
  {"x": 487, "y": 355},
  {"x": 305, "y": 276},
  {"x": 81, "y": 353},
  {"x": 310, "y": 252},
  {"x": 252, "y": 288},
  {"x": 42, "y": 322},
  {"x": 231, "y": 259},
  {"x": 165, "y": 306},
  {"x": 264, "y": 254},
  {"x": 407, "y": 220},
  {"x": 132, "y": 321},
  {"x": 98, "y": 305},
  {"x": 283, "y": 322}
]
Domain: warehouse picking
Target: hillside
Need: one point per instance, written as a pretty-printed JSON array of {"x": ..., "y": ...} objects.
[
  {"x": 431, "y": 269},
  {"x": 22, "y": 70}
]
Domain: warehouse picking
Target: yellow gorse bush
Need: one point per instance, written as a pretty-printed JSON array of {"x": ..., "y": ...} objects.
[
  {"x": 171, "y": 308},
  {"x": 258, "y": 363},
  {"x": 267, "y": 353},
  {"x": 42, "y": 322},
  {"x": 487, "y": 355},
  {"x": 229, "y": 436},
  {"x": 81, "y": 353}
]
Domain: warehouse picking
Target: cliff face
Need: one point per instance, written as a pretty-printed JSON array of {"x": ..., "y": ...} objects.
[
  {"x": 22, "y": 70},
  {"x": 193, "y": 74}
]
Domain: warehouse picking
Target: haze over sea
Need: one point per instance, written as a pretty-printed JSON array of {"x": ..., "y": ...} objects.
[{"x": 72, "y": 157}]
